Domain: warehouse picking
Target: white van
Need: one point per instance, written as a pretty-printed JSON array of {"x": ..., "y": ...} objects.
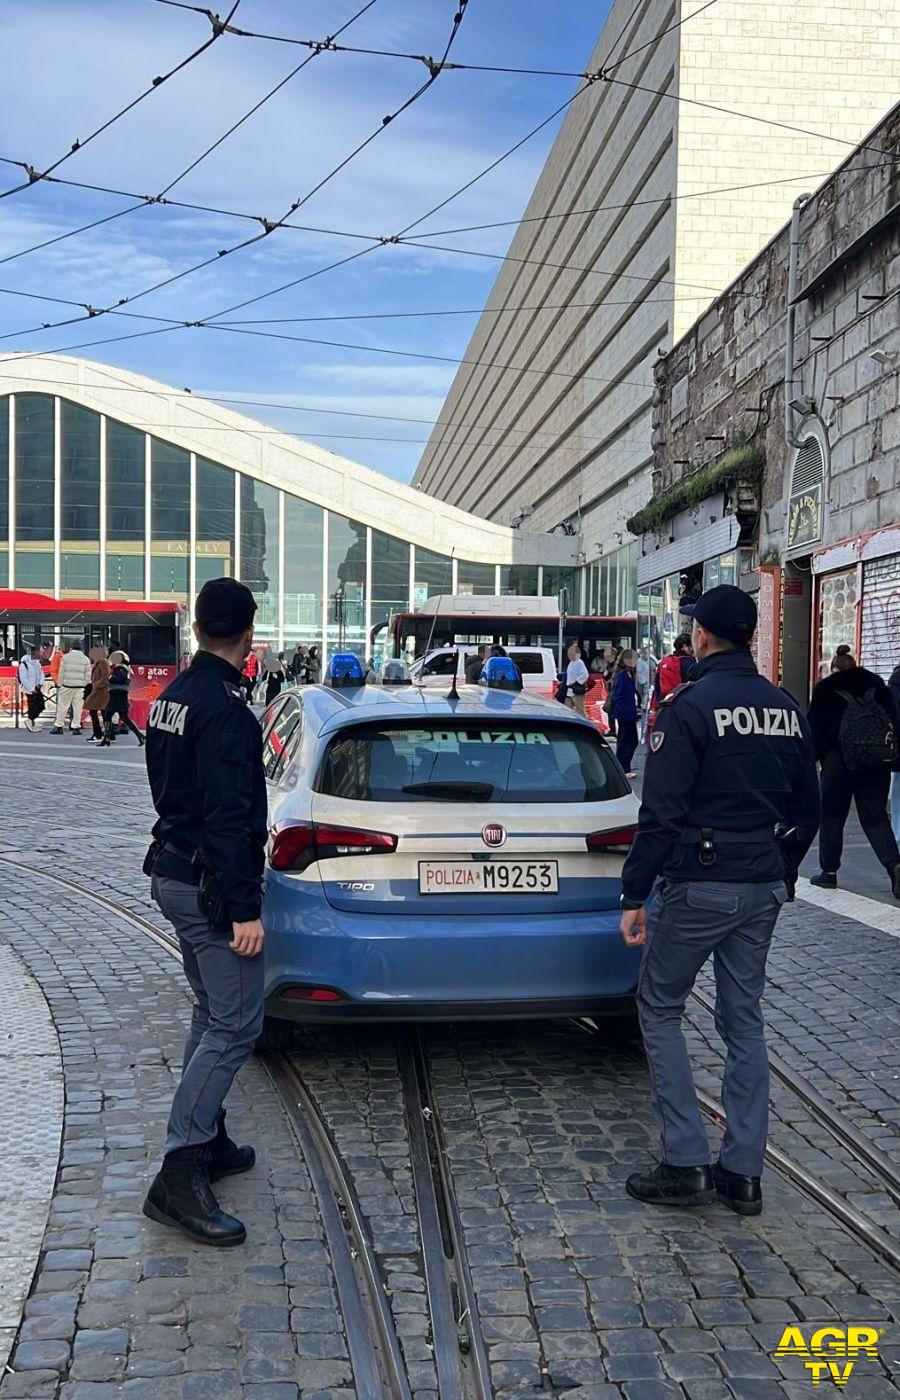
[{"x": 536, "y": 664}]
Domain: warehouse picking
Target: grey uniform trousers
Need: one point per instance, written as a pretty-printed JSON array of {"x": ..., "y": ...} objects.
[
  {"x": 226, "y": 1020},
  {"x": 686, "y": 922}
]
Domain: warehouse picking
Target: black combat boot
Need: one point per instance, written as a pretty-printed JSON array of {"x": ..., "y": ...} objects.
[
  {"x": 225, "y": 1157},
  {"x": 181, "y": 1197},
  {"x": 742, "y": 1194},
  {"x": 672, "y": 1186}
]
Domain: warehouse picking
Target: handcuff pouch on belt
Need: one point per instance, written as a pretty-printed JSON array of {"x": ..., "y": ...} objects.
[
  {"x": 707, "y": 854},
  {"x": 209, "y": 896}
]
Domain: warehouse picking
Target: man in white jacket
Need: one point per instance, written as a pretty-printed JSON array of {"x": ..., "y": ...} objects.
[
  {"x": 31, "y": 679},
  {"x": 74, "y": 675}
]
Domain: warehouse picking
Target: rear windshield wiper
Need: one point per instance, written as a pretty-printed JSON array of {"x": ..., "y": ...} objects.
[{"x": 463, "y": 791}]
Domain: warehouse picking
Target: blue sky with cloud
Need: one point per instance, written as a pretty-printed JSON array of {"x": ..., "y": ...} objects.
[{"x": 67, "y": 65}]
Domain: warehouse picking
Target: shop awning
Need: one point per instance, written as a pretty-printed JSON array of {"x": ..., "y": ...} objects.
[{"x": 707, "y": 543}]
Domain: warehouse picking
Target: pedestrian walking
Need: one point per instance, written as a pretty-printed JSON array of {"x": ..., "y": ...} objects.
[
  {"x": 313, "y": 665},
  {"x": 475, "y": 666},
  {"x": 249, "y": 673},
  {"x": 275, "y": 676},
  {"x": 730, "y": 759},
  {"x": 118, "y": 708},
  {"x": 855, "y": 727},
  {"x": 577, "y": 677},
  {"x": 204, "y": 762},
  {"x": 298, "y": 665},
  {"x": 626, "y": 708},
  {"x": 31, "y": 682},
  {"x": 672, "y": 671},
  {"x": 97, "y": 698},
  {"x": 73, "y": 676}
]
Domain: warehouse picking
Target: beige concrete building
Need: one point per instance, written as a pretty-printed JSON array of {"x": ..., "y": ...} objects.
[{"x": 649, "y": 204}]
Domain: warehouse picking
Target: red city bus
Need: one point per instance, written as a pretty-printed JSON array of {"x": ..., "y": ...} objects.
[
  {"x": 448, "y": 619},
  {"x": 152, "y": 634}
]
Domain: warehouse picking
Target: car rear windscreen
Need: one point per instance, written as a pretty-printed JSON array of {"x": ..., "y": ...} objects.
[{"x": 470, "y": 761}]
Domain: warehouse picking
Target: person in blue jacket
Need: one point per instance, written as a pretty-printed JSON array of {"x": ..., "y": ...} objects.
[{"x": 626, "y": 708}]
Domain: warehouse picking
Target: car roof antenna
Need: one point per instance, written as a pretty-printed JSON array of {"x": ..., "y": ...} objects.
[
  {"x": 438, "y": 608},
  {"x": 453, "y": 693}
]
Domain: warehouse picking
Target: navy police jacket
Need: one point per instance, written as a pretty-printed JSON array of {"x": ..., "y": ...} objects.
[
  {"x": 730, "y": 754},
  {"x": 204, "y": 762}
]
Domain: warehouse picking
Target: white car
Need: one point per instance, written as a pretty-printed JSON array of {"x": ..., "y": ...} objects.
[
  {"x": 537, "y": 667},
  {"x": 443, "y": 858}
]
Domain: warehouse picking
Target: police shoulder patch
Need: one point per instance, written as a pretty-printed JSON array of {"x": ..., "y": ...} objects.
[
  {"x": 671, "y": 697},
  {"x": 234, "y": 692},
  {"x": 656, "y": 740}
]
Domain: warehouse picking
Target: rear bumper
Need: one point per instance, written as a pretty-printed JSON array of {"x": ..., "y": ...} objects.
[
  {"x": 444, "y": 967},
  {"x": 355, "y": 1012}
]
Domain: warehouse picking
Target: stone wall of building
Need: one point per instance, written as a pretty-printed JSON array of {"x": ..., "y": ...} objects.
[{"x": 724, "y": 381}]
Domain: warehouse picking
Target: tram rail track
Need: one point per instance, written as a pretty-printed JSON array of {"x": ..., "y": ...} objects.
[
  {"x": 460, "y": 1354},
  {"x": 373, "y": 1343}
]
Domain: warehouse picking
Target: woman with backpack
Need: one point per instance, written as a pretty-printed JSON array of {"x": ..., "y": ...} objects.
[
  {"x": 625, "y": 708},
  {"x": 855, "y": 727},
  {"x": 119, "y": 686}
]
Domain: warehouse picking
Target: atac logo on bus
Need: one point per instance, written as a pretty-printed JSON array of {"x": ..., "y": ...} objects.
[
  {"x": 493, "y": 834},
  {"x": 831, "y": 1352}
]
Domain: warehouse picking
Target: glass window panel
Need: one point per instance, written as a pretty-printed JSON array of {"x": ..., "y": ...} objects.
[
  {"x": 475, "y": 578},
  {"x": 390, "y": 586},
  {"x": 304, "y": 525},
  {"x": 170, "y": 520},
  {"x": 215, "y": 522},
  {"x": 4, "y": 493},
  {"x": 346, "y": 584},
  {"x": 125, "y": 475},
  {"x": 79, "y": 499},
  {"x": 434, "y": 575},
  {"x": 555, "y": 579},
  {"x": 519, "y": 579},
  {"x": 259, "y": 552},
  {"x": 34, "y": 491},
  {"x": 125, "y": 515}
]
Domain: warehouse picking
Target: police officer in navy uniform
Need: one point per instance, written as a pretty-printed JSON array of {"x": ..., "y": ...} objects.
[
  {"x": 204, "y": 762},
  {"x": 730, "y": 805}
]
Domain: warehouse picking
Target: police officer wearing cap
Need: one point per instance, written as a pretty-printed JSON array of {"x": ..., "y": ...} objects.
[
  {"x": 730, "y": 805},
  {"x": 204, "y": 762}
]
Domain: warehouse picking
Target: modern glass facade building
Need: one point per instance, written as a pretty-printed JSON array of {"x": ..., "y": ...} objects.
[{"x": 112, "y": 485}]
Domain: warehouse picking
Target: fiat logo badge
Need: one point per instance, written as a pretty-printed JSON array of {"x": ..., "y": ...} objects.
[{"x": 493, "y": 834}]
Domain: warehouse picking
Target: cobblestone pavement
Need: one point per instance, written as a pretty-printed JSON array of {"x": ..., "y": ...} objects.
[{"x": 578, "y": 1286}]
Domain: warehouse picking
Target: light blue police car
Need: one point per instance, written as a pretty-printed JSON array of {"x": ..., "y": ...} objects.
[{"x": 434, "y": 856}]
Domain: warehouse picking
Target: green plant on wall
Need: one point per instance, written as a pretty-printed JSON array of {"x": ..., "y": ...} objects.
[{"x": 743, "y": 461}]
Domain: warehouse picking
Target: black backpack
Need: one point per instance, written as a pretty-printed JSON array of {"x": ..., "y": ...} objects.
[{"x": 866, "y": 734}]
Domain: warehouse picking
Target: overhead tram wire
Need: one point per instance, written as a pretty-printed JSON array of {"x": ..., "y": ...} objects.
[
  {"x": 271, "y": 225},
  {"x": 232, "y": 403},
  {"x": 651, "y": 42},
  {"x": 34, "y": 175},
  {"x": 147, "y": 201}
]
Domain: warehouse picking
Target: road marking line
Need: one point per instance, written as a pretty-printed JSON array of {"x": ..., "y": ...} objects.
[
  {"x": 853, "y": 906},
  {"x": 16, "y": 752}
]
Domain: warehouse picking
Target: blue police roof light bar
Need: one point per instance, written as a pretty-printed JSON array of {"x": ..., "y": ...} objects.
[
  {"x": 345, "y": 669},
  {"x": 501, "y": 673}
]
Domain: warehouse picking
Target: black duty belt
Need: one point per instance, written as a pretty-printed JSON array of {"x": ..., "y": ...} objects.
[
  {"x": 177, "y": 863},
  {"x": 709, "y": 839}
]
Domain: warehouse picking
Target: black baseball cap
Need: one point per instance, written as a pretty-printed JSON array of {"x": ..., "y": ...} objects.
[
  {"x": 727, "y": 612},
  {"x": 224, "y": 608}
]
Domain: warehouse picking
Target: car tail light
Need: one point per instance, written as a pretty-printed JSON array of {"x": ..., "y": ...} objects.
[
  {"x": 620, "y": 839},
  {"x": 312, "y": 994},
  {"x": 296, "y": 845}
]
